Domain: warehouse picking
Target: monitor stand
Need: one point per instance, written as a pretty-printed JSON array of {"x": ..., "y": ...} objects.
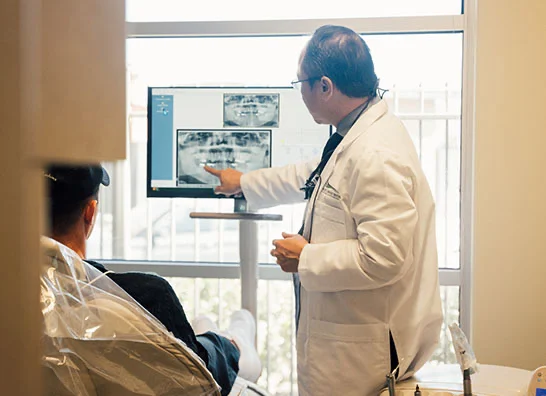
[
  {"x": 240, "y": 212},
  {"x": 248, "y": 247}
]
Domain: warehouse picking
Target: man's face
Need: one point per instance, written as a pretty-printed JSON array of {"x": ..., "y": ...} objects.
[{"x": 311, "y": 94}]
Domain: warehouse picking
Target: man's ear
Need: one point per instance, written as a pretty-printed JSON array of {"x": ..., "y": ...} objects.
[
  {"x": 89, "y": 215},
  {"x": 326, "y": 86}
]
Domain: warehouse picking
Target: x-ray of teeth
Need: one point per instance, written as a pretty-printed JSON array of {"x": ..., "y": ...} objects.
[
  {"x": 251, "y": 111},
  {"x": 220, "y": 149}
]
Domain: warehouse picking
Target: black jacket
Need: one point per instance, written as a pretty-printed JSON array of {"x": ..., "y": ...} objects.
[{"x": 157, "y": 296}]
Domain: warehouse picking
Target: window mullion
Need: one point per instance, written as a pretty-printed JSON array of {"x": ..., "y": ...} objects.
[{"x": 420, "y": 24}]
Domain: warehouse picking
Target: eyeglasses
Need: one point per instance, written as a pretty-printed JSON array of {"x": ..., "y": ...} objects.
[{"x": 297, "y": 83}]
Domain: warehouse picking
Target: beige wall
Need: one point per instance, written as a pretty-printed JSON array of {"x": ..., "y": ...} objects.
[
  {"x": 509, "y": 291},
  {"x": 40, "y": 105},
  {"x": 19, "y": 326}
]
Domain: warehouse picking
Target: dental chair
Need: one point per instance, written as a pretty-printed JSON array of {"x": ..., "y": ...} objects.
[{"x": 98, "y": 341}]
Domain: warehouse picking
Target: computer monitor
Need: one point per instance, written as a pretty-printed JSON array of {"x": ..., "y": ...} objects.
[{"x": 245, "y": 128}]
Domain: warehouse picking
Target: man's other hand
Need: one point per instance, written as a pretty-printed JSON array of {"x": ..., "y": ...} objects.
[{"x": 288, "y": 250}]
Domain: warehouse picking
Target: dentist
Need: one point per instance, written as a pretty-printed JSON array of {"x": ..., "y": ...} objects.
[{"x": 365, "y": 261}]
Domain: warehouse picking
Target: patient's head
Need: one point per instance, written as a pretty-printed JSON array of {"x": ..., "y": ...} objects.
[{"x": 72, "y": 193}]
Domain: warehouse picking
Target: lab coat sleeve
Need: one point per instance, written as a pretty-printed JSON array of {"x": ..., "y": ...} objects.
[
  {"x": 269, "y": 187},
  {"x": 380, "y": 202}
]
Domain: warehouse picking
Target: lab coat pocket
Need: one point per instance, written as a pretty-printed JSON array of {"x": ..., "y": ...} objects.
[
  {"x": 330, "y": 213},
  {"x": 328, "y": 223},
  {"x": 330, "y": 207},
  {"x": 348, "y": 359}
]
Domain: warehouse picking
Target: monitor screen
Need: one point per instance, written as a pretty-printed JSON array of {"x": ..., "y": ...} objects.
[
  {"x": 245, "y": 128},
  {"x": 251, "y": 110}
]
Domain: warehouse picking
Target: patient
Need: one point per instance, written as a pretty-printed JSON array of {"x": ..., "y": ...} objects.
[{"x": 73, "y": 198}]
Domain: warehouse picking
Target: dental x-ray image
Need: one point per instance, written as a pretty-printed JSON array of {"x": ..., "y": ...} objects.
[
  {"x": 251, "y": 110},
  {"x": 220, "y": 149}
]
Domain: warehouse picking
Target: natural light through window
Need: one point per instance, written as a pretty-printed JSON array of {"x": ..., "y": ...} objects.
[{"x": 237, "y": 10}]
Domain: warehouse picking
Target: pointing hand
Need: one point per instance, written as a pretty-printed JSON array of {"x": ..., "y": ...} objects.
[{"x": 230, "y": 181}]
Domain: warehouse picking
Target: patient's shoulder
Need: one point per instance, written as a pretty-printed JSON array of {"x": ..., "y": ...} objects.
[
  {"x": 96, "y": 265},
  {"x": 137, "y": 280}
]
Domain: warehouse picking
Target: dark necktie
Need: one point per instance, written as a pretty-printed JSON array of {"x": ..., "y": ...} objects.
[
  {"x": 330, "y": 147},
  {"x": 327, "y": 152}
]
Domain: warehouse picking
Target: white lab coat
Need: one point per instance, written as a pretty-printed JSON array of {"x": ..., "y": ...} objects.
[{"x": 371, "y": 266}]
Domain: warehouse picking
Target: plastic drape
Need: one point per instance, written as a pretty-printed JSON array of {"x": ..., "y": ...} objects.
[{"x": 98, "y": 341}]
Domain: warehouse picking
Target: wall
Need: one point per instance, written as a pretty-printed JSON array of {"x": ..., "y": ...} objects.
[
  {"x": 509, "y": 291},
  {"x": 19, "y": 326},
  {"x": 40, "y": 105}
]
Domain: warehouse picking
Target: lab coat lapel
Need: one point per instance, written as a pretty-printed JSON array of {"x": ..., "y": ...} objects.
[{"x": 361, "y": 126}]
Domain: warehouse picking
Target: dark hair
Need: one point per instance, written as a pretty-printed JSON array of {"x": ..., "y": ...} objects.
[
  {"x": 342, "y": 55},
  {"x": 69, "y": 189},
  {"x": 64, "y": 213}
]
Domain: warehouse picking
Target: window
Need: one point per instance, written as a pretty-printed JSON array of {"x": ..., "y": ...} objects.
[
  {"x": 423, "y": 71},
  {"x": 427, "y": 100}
]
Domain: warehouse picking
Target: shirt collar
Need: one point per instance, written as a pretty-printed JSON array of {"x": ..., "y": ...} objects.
[{"x": 348, "y": 121}]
